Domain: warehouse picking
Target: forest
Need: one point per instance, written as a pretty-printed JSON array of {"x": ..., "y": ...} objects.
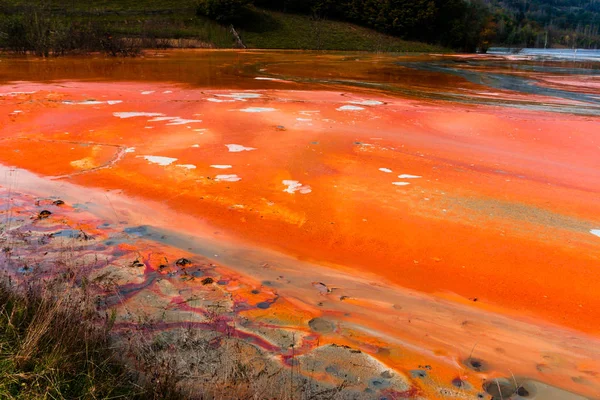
[{"x": 465, "y": 25}]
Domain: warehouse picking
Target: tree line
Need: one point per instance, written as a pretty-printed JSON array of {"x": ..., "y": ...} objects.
[{"x": 465, "y": 25}]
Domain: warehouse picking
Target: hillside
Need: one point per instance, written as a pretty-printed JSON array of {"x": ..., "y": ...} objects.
[
  {"x": 124, "y": 27},
  {"x": 83, "y": 26}
]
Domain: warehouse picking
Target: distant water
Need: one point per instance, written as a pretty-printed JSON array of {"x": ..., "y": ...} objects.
[{"x": 563, "y": 54}]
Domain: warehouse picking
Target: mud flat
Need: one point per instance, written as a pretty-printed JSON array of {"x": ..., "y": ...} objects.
[{"x": 430, "y": 237}]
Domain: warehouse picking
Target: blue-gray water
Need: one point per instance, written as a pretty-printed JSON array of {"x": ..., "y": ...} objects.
[{"x": 563, "y": 54}]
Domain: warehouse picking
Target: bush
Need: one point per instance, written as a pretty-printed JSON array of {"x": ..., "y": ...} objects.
[{"x": 221, "y": 10}]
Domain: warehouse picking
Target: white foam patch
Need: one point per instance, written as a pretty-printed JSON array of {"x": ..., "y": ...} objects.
[
  {"x": 159, "y": 119},
  {"x": 227, "y": 178},
  {"x": 16, "y": 93},
  {"x": 211, "y": 99},
  {"x": 92, "y": 102},
  {"x": 130, "y": 150},
  {"x": 349, "y": 108},
  {"x": 136, "y": 114},
  {"x": 167, "y": 92},
  {"x": 236, "y": 148},
  {"x": 148, "y": 92},
  {"x": 295, "y": 186},
  {"x": 181, "y": 121},
  {"x": 408, "y": 176},
  {"x": 264, "y": 78},
  {"x": 17, "y": 112},
  {"x": 367, "y": 102},
  {"x": 240, "y": 96},
  {"x": 385, "y": 170},
  {"x": 595, "y": 232},
  {"x": 195, "y": 145},
  {"x": 400, "y": 183},
  {"x": 257, "y": 109},
  {"x": 188, "y": 166},
  {"x": 303, "y": 119},
  {"x": 219, "y": 166},
  {"x": 159, "y": 160}
]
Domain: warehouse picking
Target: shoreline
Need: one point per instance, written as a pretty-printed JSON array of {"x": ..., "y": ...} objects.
[{"x": 362, "y": 294}]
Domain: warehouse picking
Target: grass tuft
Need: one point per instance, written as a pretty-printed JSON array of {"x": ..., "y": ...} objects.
[{"x": 55, "y": 346}]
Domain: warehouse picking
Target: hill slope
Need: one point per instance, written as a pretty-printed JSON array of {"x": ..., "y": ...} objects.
[{"x": 176, "y": 20}]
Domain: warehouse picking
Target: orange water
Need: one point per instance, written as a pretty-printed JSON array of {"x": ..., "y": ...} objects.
[{"x": 476, "y": 201}]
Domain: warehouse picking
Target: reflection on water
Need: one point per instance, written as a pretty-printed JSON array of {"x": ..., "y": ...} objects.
[
  {"x": 562, "y": 54},
  {"x": 417, "y": 76}
]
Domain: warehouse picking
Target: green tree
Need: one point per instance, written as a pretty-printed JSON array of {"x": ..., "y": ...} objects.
[{"x": 222, "y": 10}]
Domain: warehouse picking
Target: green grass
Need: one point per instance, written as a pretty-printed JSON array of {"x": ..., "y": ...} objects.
[
  {"x": 258, "y": 28},
  {"x": 274, "y": 30}
]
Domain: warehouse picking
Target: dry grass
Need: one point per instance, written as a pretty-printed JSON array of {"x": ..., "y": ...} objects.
[{"x": 55, "y": 345}]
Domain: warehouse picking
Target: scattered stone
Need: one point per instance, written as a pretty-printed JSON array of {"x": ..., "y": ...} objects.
[
  {"x": 207, "y": 281},
  {"x": 182, "y": 262},
  {"x": 499, "y": 388},
  {"x": 521, "y": 391},
  {"x": 263, "y": 305},
  {"x": 418, "y": 373},
  {"x": 379, "y": 383},
  {"x": 387, "y": 374},
  {"x": 44, "y": 214},
  {"x": 137, "y": 264},
  {"x": 475, "y": 364},
  {"x": 459, "y": 383},
  {"x": 58, "y": 202},
  {"x": 321, "y": 325},
  {"x": 321, "y": 287}
]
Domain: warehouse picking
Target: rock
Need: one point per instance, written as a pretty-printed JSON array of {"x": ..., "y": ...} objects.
[
  {"x": 58, "y": 202},
  {"x": 475, "y": 364},
  {"x": 500, "y": 388},
  {"x": 387, "y": 374},
  {"x": 44, "y": 214},
  {"x": 207, "y": 281},
  {"x": 182, "y": 262},
  {"x": 321, "y": 287},
  {"x": 263, "y": 305},
  {"x": 321, "y": 325}
]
